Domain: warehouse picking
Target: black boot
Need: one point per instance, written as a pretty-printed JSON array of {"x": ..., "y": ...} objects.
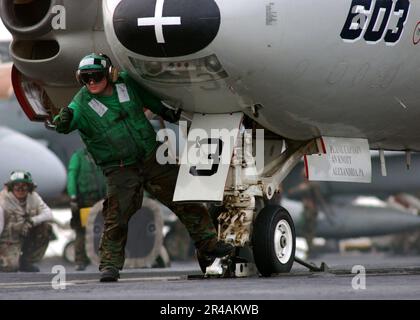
[
  {"x": 28, "y": 267},
  {"x": 218, "y": 250},
  {"x": 81, "y": 267},
  {"x": 109, "y": 275},
  {"x": 204, "y": 261}
]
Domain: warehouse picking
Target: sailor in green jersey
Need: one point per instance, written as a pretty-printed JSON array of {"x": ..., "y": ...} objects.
[{"x": 108, "y": 113}]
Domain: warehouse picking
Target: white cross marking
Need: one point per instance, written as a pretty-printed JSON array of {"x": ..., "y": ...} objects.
[{"x": 158, "y": 21}]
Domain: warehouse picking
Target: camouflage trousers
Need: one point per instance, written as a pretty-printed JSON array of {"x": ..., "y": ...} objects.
[
  {"x": 125, "y": 196},
  {"x": 29, "y": 250},
  {"x": 310, "y": 216},
  {"x": 80, "y": 256}
]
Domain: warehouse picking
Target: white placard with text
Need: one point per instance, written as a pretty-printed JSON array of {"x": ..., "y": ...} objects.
[{"x": 345, "y": 160}]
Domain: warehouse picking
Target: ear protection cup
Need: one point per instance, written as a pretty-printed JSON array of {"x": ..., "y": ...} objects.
[
  {"x": 78, "y": 78},
  {"x": 113, "y": 72}
]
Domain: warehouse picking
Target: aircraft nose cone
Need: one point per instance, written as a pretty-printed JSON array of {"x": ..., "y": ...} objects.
[{"x": 166, "y": 28}]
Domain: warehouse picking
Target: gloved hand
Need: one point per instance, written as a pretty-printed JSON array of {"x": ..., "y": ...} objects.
[
  {"x": 75, "y": 222},
  {"x": 22, "y": 228},
  {"x": 171, "y": 115},
  {"x": 74, "y": 205},
  {"x": 65, "y": 117},
  {"x": 26, "y": 228}
]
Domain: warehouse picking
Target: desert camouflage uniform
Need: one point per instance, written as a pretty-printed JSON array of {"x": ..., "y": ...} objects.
[
  {"x": 32, "y": 247},
  {"x": 14, "y": 248}
]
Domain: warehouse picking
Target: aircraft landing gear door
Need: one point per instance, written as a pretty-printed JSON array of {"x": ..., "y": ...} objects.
[{"x": 206, "y": 158}]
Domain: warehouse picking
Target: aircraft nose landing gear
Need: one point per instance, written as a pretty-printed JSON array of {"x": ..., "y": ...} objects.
[
  {"x": 270, "y": 251},
  {"x": 264, "y": 236}
]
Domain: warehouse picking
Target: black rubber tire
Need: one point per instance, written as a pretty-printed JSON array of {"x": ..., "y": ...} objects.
[
  {"x": 68, "y": 252},
  {"x": 265, "y": 256}
]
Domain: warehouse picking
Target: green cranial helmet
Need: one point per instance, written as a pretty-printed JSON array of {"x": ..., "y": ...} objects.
[
  {"x": 20, "y": 176},
  {"x": 94, "y": 61}
]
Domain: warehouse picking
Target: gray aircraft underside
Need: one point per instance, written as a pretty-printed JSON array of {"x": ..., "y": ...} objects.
[
  {"x": 12, "y": 116},
  {"x": 310, "y": 68},
  {"x": 19, "y": 152}
]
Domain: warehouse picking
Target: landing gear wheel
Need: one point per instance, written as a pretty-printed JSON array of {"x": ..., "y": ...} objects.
[
  {"x": 68, "y": 252},
  {"x": 274, "y": 241}
]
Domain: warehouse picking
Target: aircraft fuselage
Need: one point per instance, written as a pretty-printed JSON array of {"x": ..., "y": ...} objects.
[{"x": 343, "y": 68}]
